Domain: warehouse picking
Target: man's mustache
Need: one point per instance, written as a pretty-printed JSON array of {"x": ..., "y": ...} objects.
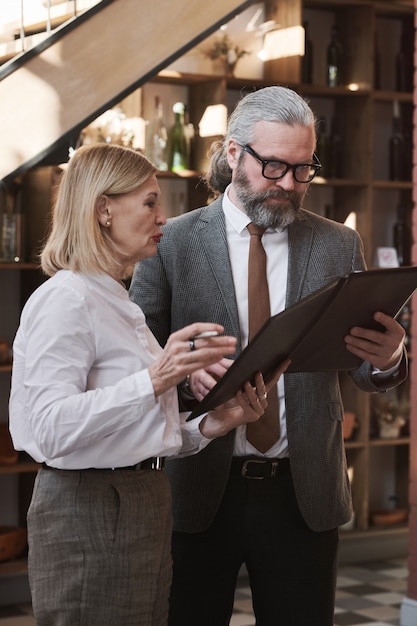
[{"x": 279, "y": 194}]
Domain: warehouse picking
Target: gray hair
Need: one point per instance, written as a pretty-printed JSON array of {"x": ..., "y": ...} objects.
[{"x": 270, "y": 104}]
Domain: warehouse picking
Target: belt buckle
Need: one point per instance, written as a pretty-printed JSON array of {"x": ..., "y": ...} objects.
[
  {"x": 245, "y": 469},
  {"x": 157, "y": 463}
]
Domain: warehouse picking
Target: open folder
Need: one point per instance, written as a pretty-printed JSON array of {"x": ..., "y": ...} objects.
[{"x": 311, "y": 332}]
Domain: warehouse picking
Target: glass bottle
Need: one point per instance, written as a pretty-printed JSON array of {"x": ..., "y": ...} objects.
[
  {"x": 404, "y": 60},
  {"x": 307, "y": 59},
  {"x": 189, "y": 131},
  {"x": 329, "y": 211},
  {"x": 11, "y": 224},
  {"x": 407, "y": 131},
  {"x": 8, "y": 247},
  {"x": 157, "y": 137},
  {"x": 334, "y": 60},
  {"x": 323, "y": 147},
  {"x": 377, "y": 63},
  {"x": 396, "y": 146},
  {"x": 335, "y": 151},
  {"x": 177, "y": 141},
  {"x": 401, "y": 236}
]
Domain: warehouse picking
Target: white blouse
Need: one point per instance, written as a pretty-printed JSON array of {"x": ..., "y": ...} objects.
[{"x": 81, "y": 393}]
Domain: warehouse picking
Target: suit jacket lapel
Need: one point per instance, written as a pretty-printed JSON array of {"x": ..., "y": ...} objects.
[
  {"x": 214, "y": 245},
  {"x": 300, "y": 238}
]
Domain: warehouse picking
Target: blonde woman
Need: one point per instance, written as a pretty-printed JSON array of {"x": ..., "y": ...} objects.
[{"x": 94, "y": 401}]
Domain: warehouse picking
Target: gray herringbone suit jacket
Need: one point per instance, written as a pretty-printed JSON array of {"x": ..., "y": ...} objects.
[{"x": 190, "y": 280}]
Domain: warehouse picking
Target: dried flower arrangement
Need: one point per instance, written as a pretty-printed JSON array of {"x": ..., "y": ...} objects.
[{"x": 226, "y": 51}]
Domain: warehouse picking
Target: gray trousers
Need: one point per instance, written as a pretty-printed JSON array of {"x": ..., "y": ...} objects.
[{"x": 100, "y": 548}]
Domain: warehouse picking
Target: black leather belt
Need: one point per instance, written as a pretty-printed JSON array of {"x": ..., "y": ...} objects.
[
  {"x": 153, "y": 463},
  {"x": 259, "y": 468}
]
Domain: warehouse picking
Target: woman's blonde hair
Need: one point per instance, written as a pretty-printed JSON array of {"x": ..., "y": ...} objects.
[{"x": 77, "y": 240}]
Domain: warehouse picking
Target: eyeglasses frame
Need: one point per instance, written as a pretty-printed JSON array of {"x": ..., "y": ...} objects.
[{"x": 316, "y": 166}]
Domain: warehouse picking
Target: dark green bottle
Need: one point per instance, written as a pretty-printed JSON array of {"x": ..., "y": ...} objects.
[
  {"x": 396, "y": 146},
  {"x": 334, "y": 60},
  {"x": 177, "y": 141},
  {"x": 402, "y": 237},
  {"x": 307, "y": 59},
  {"x": 323, "y": 148}
]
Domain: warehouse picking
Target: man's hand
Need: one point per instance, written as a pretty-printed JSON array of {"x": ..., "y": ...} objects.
[
  {"x": 203, "y": 380},
  {"x": 382, "y": 349},
  {"x": 248, "y": 405}
]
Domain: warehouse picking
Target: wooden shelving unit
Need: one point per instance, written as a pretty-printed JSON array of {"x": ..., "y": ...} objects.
[
  {"x": 363, "y": 113},
  {"x": 364, "y": 117},
  {"x": 17, "y": 280}
]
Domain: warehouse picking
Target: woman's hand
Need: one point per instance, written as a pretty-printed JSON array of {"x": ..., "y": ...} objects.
[
  {"x": 248, "y": 405},
  {"x": 183, "y": 355}
]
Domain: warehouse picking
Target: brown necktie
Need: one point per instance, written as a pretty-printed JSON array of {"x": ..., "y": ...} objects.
[{"x": 265, "y": 432}]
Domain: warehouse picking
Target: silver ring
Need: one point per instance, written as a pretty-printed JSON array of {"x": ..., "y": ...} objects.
[
  {"x": 264, "y": 397},
  {"x": 192, "y": 344}
]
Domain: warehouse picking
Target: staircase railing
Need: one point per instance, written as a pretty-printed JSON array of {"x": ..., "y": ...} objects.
[
  {"x": 26, "y": 23},
  {"x": 49, "y": 93}
]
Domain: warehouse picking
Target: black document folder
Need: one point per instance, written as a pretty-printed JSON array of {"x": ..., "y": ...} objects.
[{"x": 311, "y": 332}]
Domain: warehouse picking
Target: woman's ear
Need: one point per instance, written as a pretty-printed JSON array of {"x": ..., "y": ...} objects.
[{"x": 102, "y": 211}]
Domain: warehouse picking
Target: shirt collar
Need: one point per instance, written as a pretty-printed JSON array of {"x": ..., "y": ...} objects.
[{"x": 236, "y": 217}]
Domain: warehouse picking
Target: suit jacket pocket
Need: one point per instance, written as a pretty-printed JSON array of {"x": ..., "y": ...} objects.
[{"x": 335, "y": 410}]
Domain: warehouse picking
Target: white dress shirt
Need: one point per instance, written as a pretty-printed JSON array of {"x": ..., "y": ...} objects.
[
  {"x": 275, "y": 243},
  {"x": 81, "y": 393}
]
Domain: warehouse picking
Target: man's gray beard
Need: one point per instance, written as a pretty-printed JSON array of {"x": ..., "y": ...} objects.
[
  {"x": 266, "y": 215},
  {"x": 271, "y": 217},
  {"x": 256, "y": 205}
]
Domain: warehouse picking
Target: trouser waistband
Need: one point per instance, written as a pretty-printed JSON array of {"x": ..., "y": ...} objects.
[{"x": 153, "y": 463}]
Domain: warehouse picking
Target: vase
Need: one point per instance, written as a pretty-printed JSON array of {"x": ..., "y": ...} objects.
[{"x": 229, "y": 68}]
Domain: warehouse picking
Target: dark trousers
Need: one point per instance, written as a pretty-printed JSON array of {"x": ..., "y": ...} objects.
[{"x": 292, "y": 570}]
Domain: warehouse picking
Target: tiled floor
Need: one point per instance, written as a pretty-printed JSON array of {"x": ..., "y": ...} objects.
[{"x": 367, "y": 595}]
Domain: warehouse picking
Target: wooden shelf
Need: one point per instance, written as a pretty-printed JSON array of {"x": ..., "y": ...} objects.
[
  {"x": 355, "y": 445},
  {"x": 339, "y": 182},
  {"x": 390, "y": 96},
  {"x": 359, "y": 546},
  {"x": 377, "y": 442},
  {"x": 19, "y": 266},
  {"x": 401, "y": 441},
  {"x": 23, "y": 466},
  {"x": 388, "y": 8},
  {"x": 184, "y": 174},
  {"x": 15, "y": 567},
  {"x": 169, "y": 77},
  {"x": 395, "y": 185}
]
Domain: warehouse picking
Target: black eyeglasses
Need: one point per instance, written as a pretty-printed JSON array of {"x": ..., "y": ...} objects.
[{"x": 274, "y": 170}]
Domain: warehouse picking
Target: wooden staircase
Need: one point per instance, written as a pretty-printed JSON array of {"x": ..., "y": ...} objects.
[{"x": 88, "y": 65}]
